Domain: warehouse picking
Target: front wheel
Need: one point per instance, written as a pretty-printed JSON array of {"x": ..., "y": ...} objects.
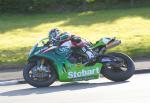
[
  {"x": 121, "y": 73},
  {"x": 39, "y": 76}
]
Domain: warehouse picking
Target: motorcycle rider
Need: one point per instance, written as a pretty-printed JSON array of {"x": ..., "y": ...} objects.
[{"x": 69, "y": 40}]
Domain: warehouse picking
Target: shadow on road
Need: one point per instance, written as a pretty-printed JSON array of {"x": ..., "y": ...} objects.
[{"x": 59, "y": 88}]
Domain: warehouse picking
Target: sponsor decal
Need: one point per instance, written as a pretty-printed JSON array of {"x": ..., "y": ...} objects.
[
  {"x": 83, "y": 78},
  {"x": 79, "y": 65},
  {"x": 83, "y": 73},
  {"x": 37, "y": 52}
]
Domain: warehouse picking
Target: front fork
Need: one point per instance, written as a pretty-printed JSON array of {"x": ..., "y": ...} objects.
[
  {"x": 41, "y": 71},
  {"x": 40, "y": 64}
]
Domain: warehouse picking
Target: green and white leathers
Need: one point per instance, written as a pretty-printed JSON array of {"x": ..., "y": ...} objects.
[{"x": 48, "y": 63}]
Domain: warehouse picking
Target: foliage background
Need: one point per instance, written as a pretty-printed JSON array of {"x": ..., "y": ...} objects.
[
  {"x": 26, "y": 6},
  {"x": 22, "y": 22}
]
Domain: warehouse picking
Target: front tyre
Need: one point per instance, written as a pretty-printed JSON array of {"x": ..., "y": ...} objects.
[
  {"x": 32, "y": 78},
  {"x": 118, "y": 74}
]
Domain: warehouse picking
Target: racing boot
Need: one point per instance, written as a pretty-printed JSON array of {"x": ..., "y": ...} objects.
[{"x": 90, "y": 54}]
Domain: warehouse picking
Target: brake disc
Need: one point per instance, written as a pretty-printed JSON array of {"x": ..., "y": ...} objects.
[{"x": 39, "y": 72}]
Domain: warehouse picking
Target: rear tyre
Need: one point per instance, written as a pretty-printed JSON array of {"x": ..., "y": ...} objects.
[
  {"x": 38, "y": 83},
  {"x": 117, "y": 74}
]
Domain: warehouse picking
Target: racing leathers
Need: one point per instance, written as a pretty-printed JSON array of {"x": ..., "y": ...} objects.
[{"x": 68, "y": 40}]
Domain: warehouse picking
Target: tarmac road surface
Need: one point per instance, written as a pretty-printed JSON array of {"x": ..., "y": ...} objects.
[{"x": 135, "y": 90}]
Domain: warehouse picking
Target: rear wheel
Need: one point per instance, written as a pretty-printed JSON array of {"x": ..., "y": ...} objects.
[
  {"x": 121, "y": 73},
  {"x": 39, "y": 76}
]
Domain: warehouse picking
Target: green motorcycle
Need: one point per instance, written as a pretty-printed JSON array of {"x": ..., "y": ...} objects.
[{"x": 48, "y": 63}]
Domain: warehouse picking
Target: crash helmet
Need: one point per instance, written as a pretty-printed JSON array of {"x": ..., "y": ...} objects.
[{"x": 54, "y": 33}]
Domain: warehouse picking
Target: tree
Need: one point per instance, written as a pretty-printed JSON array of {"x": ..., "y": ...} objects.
[{"x": 132, "y": 2}]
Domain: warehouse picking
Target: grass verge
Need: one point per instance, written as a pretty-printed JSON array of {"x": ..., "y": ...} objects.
[{"x": 19, "y": 32}]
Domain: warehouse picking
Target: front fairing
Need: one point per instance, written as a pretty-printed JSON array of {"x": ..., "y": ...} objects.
[
  {"x": 38, "y": 47},
  {"x": 52, "y": 53},
  {"x": 66, "y": 70}
]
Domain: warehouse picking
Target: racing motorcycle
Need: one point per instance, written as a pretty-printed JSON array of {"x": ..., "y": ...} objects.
[{"x": 48, "y": 63}]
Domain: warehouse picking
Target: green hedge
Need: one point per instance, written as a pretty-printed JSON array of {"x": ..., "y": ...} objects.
[
  {"x": 36, "y": 5},
  {"x": 62, "y": 5}
]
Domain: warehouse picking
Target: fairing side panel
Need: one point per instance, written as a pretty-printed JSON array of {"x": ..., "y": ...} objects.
[{"x": 67, "y": 71}]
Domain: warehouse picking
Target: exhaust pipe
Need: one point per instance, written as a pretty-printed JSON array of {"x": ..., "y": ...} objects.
[{"x": 113, "y": 44}]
